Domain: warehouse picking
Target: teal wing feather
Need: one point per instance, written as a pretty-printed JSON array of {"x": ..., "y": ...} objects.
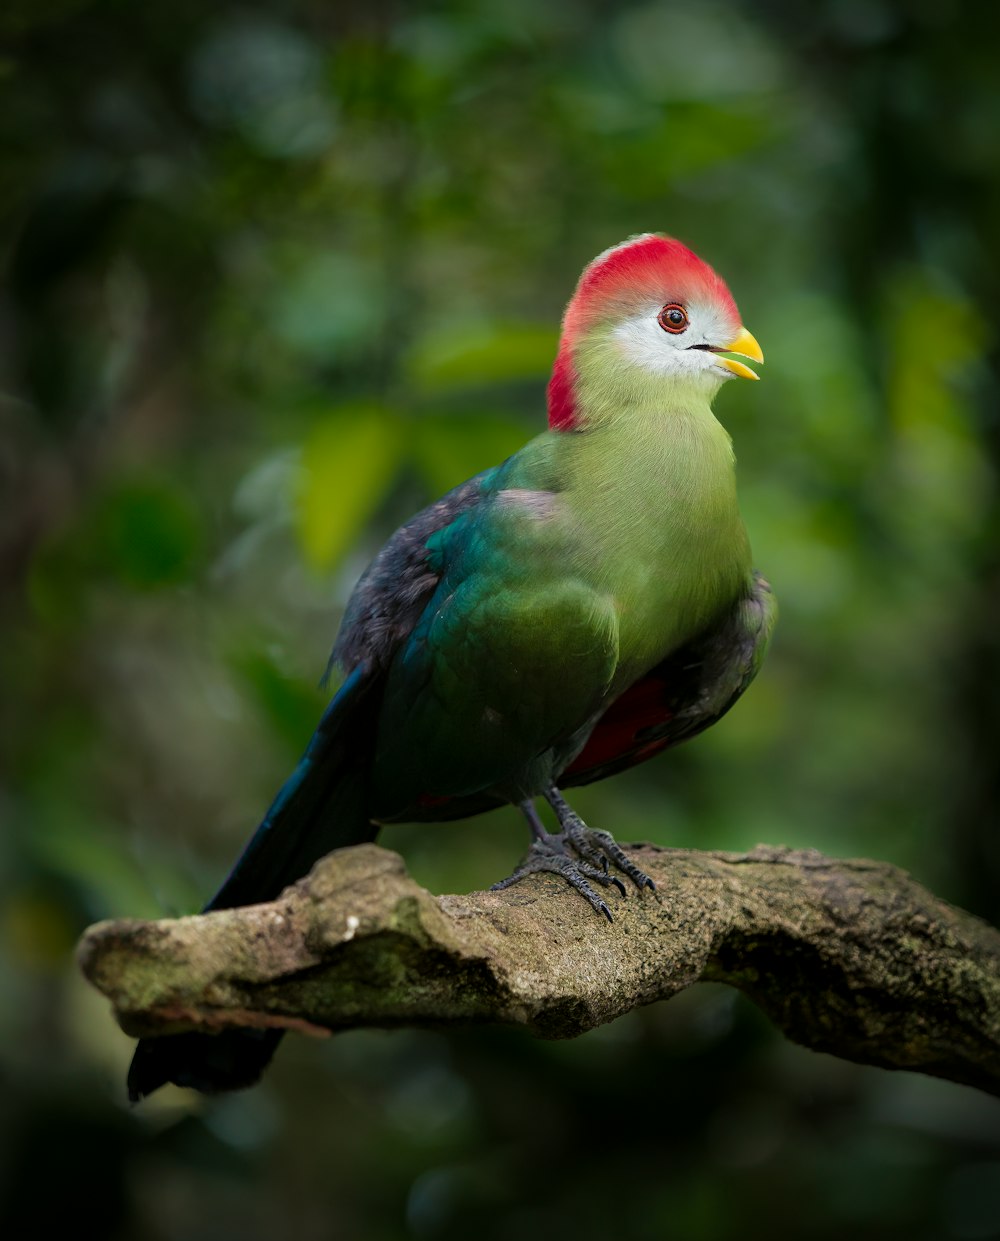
[
  {"x": 394, "y": 590},
  {"x": 505, "y": 670}
]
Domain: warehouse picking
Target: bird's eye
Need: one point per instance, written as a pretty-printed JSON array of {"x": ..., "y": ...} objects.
[{"x": 673, "y": 318}]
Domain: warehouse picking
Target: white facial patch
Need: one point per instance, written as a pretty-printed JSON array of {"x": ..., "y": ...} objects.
[{"x": 642, "y": 341}]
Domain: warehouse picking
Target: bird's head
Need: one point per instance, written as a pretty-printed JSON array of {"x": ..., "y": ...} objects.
[{"x": 649, "y": 322}]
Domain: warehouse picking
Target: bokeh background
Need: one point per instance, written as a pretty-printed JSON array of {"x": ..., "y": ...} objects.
[{"x": 276, "y": 275}]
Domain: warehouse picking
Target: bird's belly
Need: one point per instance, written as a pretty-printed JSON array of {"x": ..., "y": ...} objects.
[{"x": 664, "y": 599}]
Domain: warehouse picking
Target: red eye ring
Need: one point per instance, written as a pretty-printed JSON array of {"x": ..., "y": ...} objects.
[{"x": 673, "y": 318}]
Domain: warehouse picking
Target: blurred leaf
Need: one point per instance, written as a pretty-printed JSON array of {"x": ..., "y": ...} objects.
[
  {"x": 148, "y": 534},
  {"x": 37, "y": 930},
  {"x": 263, "y": 78},
  {"x": 325, "y": 303},
  {"x": 291, "y": 707},
  {"x": 349, "y": 459},
  {"x": 57, "y": 580},
  {"x": 448, "y": 450},
  {"x": 144, "y": 533},
  {"x": 495, "y": 353},
  {"x": 944, "y": 481},
  {"x": 735, "y": 56},
  {"x": 692, "y": 140},
  {"x": 88, "y": 853}
]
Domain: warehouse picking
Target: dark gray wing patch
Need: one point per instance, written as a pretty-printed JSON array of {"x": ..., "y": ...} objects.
[
  {"x": 396, "y": 586},
  {"x": 682, "y": 696}
]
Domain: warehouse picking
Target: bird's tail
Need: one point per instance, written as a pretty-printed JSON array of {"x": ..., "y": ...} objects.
[{"x": 322, "y": 806}]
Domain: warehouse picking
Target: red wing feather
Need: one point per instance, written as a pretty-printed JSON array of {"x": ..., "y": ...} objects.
[{"x": 618, "y": 732}]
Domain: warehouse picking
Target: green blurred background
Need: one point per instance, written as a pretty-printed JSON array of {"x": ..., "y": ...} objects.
[{"x": 276, "y": 275}]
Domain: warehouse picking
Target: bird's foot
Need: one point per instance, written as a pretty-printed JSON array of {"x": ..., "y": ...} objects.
[
  {"x": 599, "y": 847},
  {"x": 550, "y": 854},
  {"x": 596, "y": 846},
  {"x": 595, "y": 851}
]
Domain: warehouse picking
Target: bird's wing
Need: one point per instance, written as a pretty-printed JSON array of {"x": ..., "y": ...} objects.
[
  {"x": 684, "y": 694},
  {"x": 396, "y": 586},
  {"x": 324, "y": 803}
]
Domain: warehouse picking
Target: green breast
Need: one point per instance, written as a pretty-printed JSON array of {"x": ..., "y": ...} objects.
[{"x": 649, "y": 517}]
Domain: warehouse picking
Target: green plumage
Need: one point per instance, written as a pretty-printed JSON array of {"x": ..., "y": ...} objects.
[
  {"x": 588, "y": 559},
  {"x": 559, "y": 618}
]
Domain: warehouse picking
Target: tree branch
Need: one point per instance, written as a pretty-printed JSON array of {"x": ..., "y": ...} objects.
[{"x": 848, "y": 957}]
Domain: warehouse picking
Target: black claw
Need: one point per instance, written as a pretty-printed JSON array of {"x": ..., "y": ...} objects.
[{"x": 595, "y": 853}]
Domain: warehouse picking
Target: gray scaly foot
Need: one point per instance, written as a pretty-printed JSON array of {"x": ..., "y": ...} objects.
[
  {"x": 593, "y": 844},
  {"x": 594, "y": 849}
]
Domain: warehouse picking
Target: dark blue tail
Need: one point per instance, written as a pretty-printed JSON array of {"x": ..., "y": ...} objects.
[{"x": 322, "y": 806}]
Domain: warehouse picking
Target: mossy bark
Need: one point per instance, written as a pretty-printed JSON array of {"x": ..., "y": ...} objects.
[{"x": 848, "y": 957}]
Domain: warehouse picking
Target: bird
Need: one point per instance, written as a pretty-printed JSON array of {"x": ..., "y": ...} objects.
[{"x": 554, "y": 620}]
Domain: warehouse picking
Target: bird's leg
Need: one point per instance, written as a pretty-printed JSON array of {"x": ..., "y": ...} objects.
[
  {"x": 595, "y": 846},
  {"x": 594, "y": 850},
  {"x": 548, "y": 853},
  {"x": 527, "y": 808}
]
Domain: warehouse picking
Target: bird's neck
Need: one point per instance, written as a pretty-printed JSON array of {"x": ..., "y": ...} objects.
[
  {"x": 594, "y": 384},
  {"x": 653, "y": 497},
  {"x": 666, "y": 468}
]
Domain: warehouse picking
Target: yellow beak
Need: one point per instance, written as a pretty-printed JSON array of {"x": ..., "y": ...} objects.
[{"x": 745, "y": 345}]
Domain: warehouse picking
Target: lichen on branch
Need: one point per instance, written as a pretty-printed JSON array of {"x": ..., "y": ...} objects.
[{"x": 849, "y": 957}]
